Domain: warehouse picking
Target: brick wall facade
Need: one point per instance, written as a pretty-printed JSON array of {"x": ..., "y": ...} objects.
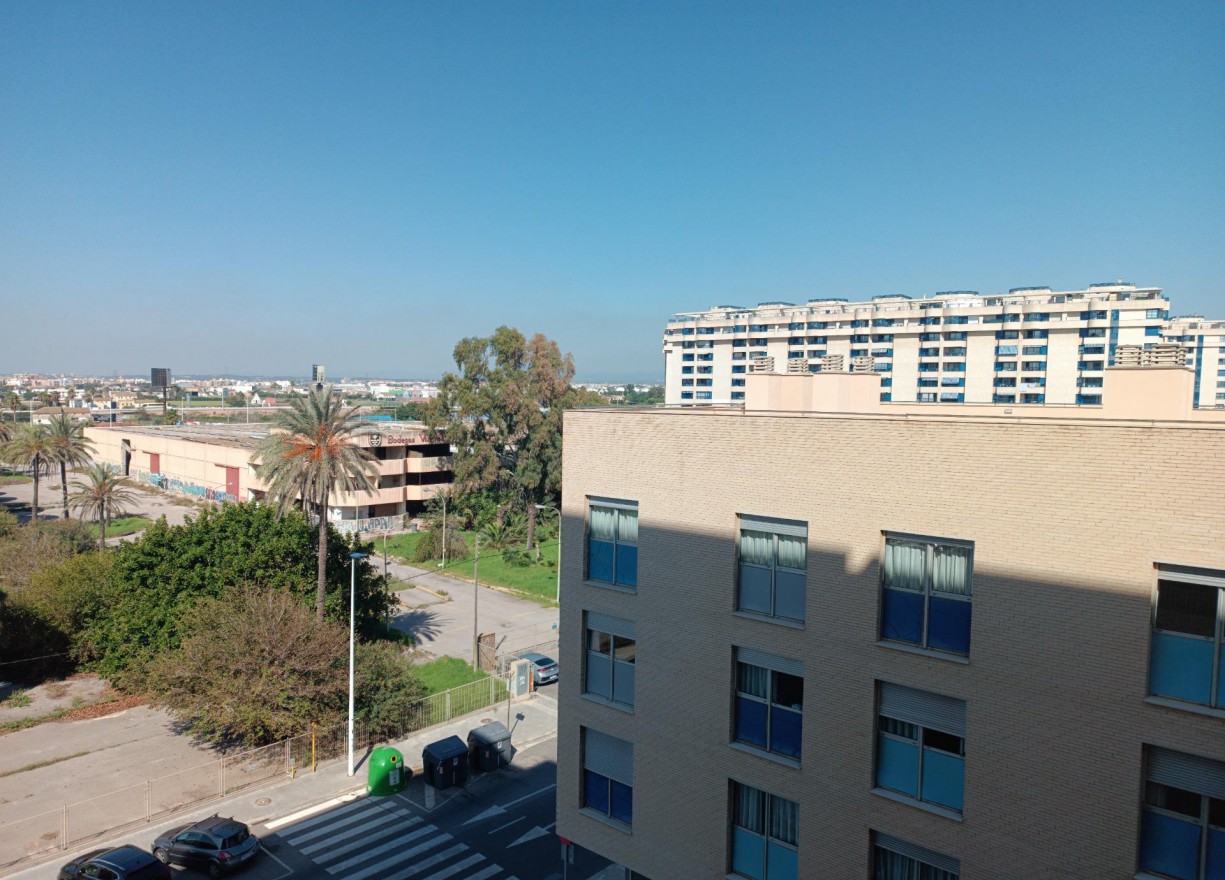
[{"x": 1067, "y": 519}]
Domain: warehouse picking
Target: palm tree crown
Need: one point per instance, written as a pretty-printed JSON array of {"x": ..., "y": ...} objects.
[
  {"x": 309, "y": 456},
  {"x": 72, "y": 448},
  {"x": 30, "y": 447},
  {"x": 102, "y": 496}
]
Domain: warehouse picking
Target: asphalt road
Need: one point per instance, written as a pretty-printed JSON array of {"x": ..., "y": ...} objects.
[{"x": 498, "y": 827}]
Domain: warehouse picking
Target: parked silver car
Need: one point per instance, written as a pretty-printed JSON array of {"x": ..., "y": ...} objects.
[{"x": 544, "y": 669}]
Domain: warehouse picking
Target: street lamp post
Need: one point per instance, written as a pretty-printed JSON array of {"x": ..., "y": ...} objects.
[{"x": 353, "y": 557}]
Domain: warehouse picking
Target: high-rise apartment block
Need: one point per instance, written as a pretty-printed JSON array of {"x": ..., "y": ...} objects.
[
  {"x": 1029, "y": 346},
  {"x": 823, "y": 636}
]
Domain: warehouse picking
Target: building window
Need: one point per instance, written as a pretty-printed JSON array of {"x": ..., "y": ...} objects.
[
  {"x": 686, "y": 395},
  {"x": 773, "y": 567},
  {"x": 686, "y": 382},
  {"x": 738, "y": 368},
  {"x": 896, "y": 859},
  {"x": 765, "y": 835},
  {"x": 611, "y": 649},
  {"x": 1187, "y": 636},
  {"x": 956, "y": 319},
  {"x": 769, "y": 702},
  {"x": 920, "y": 749},
  {"x": 705, "y": 395},
  {"x": 1089, "y": 399},
  {"x": 612, "y": 542},
  {"x": 1152, "y": 331},
  {"x": 1182, "y": 827},
  {"x": 737, "y": 395},
  {"x": 686, "y": 370},
  {"x": 737, "y": 383},
  {"x": 608, "y": 776},
  {"x": 686, "y": 357},
  {"x": 926, "y": 593}
]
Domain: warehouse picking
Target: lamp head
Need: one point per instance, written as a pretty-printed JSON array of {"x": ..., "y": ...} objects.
[{"x": 357, "y": 555}]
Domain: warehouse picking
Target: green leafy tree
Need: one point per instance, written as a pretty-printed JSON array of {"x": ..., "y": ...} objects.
[
  {"x": 70, "y": 446},
  {"x": 310, "y": 457},
  {"x": 159, "y": 577},
  {"x": 505, "y": 415},
  {"x": 386, "y": 687},
  {"x": 13, "y": 403},
  {"x": 415, "y": 411},
  {"x": 253, "y": 667},
  {"x": 102, "y": 496},
  {"x": 69, "y": 593},
  {"x": 236, "y": 399},
  {"x": 31, "y": 447}
]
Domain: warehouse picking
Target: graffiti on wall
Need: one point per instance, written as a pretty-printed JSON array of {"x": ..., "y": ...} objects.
[
  {"x": 203, "y": 493},
  {"x": 373, "y": 524}
]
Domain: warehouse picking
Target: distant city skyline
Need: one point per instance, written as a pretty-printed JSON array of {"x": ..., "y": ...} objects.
[{"x": 203, "y": 187}]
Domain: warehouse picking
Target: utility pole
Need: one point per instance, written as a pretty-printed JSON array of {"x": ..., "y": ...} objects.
[{"x": 476, "y": 601}]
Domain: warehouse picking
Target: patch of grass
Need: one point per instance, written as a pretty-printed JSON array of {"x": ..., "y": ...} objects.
[
  {"x": 39, "y": 764},
  {"x": 446, "y": 673},
  {"x": 536, "y": 581},
  {"x": 391, "y": 634},
  {"x": 17, "y": 700},
  {"x": 124, "y": 525},
  {"x": 23, "y": 723},
  {"x": 8, "y": 478}
]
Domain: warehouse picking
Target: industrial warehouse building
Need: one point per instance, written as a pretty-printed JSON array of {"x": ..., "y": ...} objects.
[
  {"x": 822, "y": 636},
  {"x": 213, "y": 463}
]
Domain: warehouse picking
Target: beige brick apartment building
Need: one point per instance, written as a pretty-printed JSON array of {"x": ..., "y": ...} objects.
[{"x": 824, "y": 637}]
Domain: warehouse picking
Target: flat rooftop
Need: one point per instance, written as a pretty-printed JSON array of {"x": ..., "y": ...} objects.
[{"x": 242, "y": 436}]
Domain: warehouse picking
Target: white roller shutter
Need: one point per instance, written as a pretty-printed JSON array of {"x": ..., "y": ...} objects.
[
  {"x": 1188, "y": 772},
  {"x": 614, "y": 626},
  {"x": 920, "y": 853},
  {"x": 793, "y": 527},
  {"x": 609, "y": 756},
  {"x": 924, "y": 708},
  {"x": 770, "y": 661}
]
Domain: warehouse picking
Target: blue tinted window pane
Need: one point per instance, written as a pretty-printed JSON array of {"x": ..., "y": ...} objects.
[
  {"x": 1216, "y": 855},
  {"x": 944, "y": 779},
  {"x": 948, "y": 627},
  {"x": 627, "y": 565},
  {"x": 751, "y": 722},
  {"x": 782, "y": 863},
  {"x": 789, "y": 590},
  {"x": 599, "y": 675},
  {"x": 897, "y": 766},
  {"x": 755, "y": 589},
  {"x": 1220, "y": 685},
  {"x": 748, "y": 854},
  {"x": 600, "y": 560},
  {"x": 595, "y": 791},
  {"x": 1169, "y": 846},
  {"x": 1181, "y": 667},
  {"x": 786, "y": 728},
  {"x": 901, "y": 617},
  {"x": 622, "y": 807}
]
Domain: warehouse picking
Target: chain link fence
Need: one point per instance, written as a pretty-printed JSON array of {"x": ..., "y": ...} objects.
[{"x": 155, "y": 799}]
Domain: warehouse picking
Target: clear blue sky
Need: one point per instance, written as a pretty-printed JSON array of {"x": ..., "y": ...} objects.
[{"x": 257, "y": 186}]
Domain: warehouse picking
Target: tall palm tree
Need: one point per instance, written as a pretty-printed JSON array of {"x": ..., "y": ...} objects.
[
  {"x": 30, "y": 447},
  {"x": 13, "y": 402},
  {"x": 310, "y": 455},
  {"x": 102, "y": 496},
  {"x": 72, "y": 448}
]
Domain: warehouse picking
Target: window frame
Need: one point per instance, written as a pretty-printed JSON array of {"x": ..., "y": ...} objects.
[
  {"x": 921, "y": 745},
  {"x": 774, "y": 666},
  {"x": 765, "y": 819},
  {"x": 1208, "y": 787},
  {"x": 920, "y": 856},
  {"x": 1209, "y": 579},
  {"x": 930, "y": 546},
  {"x": 605, "y": 814},
  {"x": 620, "y": 508},
  {"x": 617, "y": 631},
  {"x": 775, "y": 527}
]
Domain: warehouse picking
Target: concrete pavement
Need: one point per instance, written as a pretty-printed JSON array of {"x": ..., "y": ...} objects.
[{"x": 532, "y": 720}]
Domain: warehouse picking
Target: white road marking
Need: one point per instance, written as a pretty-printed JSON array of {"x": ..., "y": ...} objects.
[
  {"x": 309, "y": 811},
  {"x": 335, "y": 852},
  {"x": 452, "y": 870},
  {"x": 399, "y": 857},
  {"x": 426, "y": 864},
  {"x": 331, "y": 823},
  {"x": 507, "y": 825},
  {"x": 528, "y": 797},
  {"x": 360, "y": 830},
  {"x": 398, "y": 842}
]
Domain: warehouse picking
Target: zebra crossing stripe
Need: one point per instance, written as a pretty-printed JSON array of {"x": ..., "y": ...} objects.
[
  {"x": 360, "y": 830},
  {"x": 335, "y": 852},
  {"x": 397, "y": 843},
  {"x": 485, "y": 874},
  {"x": 452, "y": 870},
  {"x": 399, "y": 857},
  {"x": 331, "y": 815},
  {"x": 331, "y": 823},
  {"x": 426, "y": 864}
]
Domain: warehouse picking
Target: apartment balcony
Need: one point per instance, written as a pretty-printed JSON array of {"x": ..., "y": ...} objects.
[
  {"x": 417, "y": 465},
  {"x": 390, "y": 495},
  {"x": 388, "y": 467}
]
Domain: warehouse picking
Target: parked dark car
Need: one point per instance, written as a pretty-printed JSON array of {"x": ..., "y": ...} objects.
[
  {"x": 544, "y": 669},
  {"x": 215, "y": 845},
  {"x": 121, "y": 863}
]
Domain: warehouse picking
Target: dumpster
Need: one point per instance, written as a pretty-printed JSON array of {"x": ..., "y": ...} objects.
[
  {"x": 489, "y": 746},
  {"x": 388, "y": 773},
  {"x": 445, "y": 763}
]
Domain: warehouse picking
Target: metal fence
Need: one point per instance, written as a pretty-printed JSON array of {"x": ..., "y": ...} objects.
[
  {"x": 159, "y": 798},
  {"x": 505, "y": 658}
]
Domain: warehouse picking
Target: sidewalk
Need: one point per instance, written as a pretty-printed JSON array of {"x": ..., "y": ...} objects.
[{"x": 533, "y": 720}]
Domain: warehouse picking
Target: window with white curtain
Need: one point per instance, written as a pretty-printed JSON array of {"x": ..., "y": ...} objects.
[
  {"x": 926, "y": 592},
  {"x": 769, "y": 702},
  {"x": 765, "y": 835},
  {"x": 612, "y": 542},
  {"x": 773, "y": 567},
  {"x": 896, "y": 859}
]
